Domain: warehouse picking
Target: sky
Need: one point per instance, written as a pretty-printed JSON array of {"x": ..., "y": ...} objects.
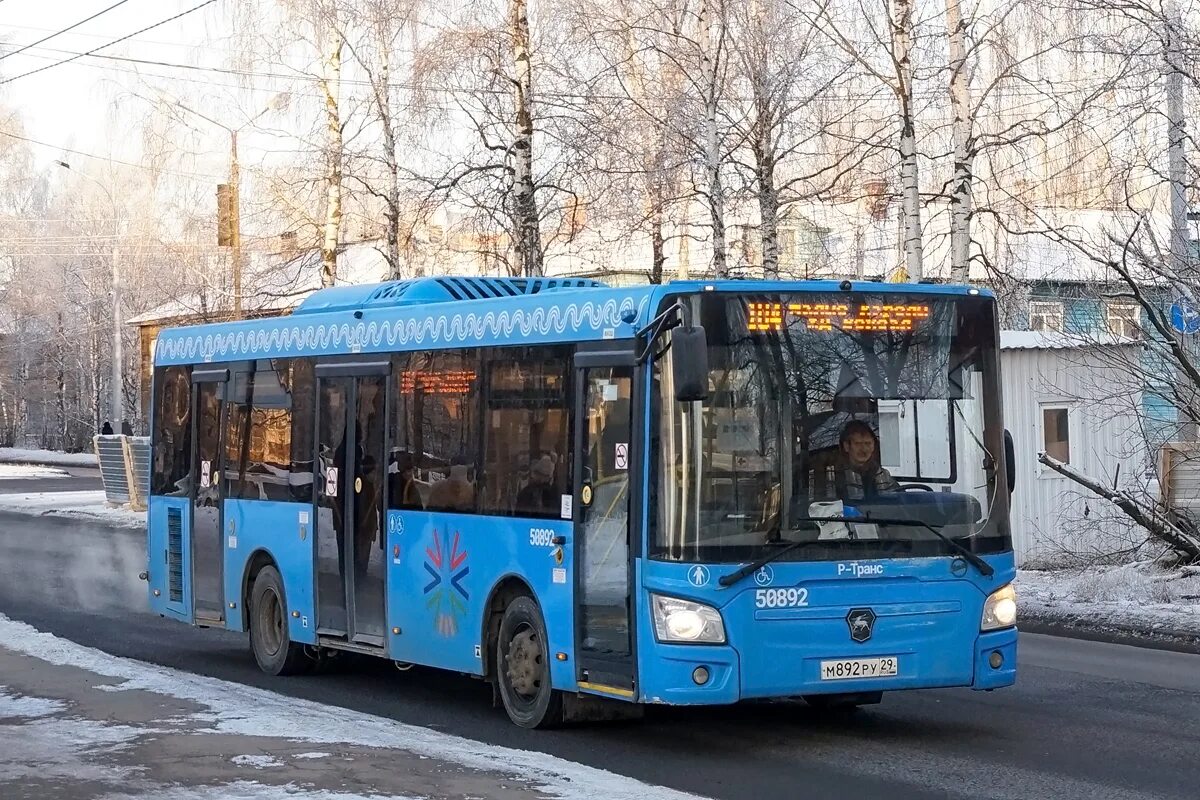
[{"x": 69, "y": 105}]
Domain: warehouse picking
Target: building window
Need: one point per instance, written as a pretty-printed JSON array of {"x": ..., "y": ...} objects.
[
  {"x": 1124, "y": 318},
  {"x": 1045, "y": 315},
  {"x": 1056, "y": 433},
  {"x": 527, "y": 406},
  {"x": 435, "y": 431},
  {"x": 172, "y": 431}
]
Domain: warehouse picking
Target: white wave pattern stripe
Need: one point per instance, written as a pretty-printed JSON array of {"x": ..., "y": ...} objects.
[{"x": 288, "y": 336}]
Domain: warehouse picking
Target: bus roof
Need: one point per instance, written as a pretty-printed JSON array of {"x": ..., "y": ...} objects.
[{"x": 447, "y": 312}]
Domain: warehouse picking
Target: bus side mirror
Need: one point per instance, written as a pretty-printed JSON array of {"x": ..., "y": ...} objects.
[
  {"x": 1010, "y": 460},
  {"x": 689, "y": 363}
]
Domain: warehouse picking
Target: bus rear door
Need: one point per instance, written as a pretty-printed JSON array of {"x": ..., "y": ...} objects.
[
  {"x": 207, "y": 545},
  {"x": 350, "y": 472}
]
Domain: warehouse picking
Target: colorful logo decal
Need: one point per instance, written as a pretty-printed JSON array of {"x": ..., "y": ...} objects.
[{"x": 445, "y": 594}]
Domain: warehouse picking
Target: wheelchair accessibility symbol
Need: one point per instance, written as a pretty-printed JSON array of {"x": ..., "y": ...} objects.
[{"x": 765, "y": 575}]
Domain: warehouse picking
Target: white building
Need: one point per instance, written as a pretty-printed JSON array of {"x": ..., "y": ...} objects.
[{"x": 1067, "y": 397}]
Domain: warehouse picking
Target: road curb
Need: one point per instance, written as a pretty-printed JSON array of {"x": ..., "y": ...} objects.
[{"x": 1112, "y": 633}]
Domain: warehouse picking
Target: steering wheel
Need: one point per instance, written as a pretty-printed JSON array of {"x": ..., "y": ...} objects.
[{"x": 920, "y": 487}]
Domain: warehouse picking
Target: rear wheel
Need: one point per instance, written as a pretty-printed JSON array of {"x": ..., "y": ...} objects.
[
  {"x": 523, "y": 667},
  {"x": 273, "y": 648}
]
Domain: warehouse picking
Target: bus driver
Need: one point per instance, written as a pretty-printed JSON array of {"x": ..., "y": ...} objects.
[{"x": 859, "y": 475}]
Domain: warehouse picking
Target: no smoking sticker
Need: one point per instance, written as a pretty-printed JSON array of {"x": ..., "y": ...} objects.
[{"x": 621, "y": 456}]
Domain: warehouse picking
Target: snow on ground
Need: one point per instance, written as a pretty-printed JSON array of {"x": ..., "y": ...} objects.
[
  {"x": 18, "y": 471},
  {"x": 236, "y": 709},
  {"x": 258, "y": 762},
  {"x": 19, "y": 455},
  {"x": 78, "y": 505},
  {"x": 1142, "y": 596},
  {"x": 249, "y": 790}
]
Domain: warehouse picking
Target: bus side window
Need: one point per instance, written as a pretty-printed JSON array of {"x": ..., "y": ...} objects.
[
  {"x": 527, "y": 407},
  {"x": 172, "y": 431},
  {"x": 436, "y": 421}
]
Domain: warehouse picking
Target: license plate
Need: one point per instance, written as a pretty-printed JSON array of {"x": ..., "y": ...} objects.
[{"x": 851, "y": 668}]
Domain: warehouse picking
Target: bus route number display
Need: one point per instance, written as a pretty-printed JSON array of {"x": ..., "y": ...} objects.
[{"x": 850, "y": 317}]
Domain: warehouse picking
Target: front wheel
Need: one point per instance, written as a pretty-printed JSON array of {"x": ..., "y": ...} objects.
[
  {"x": 270, "y": 642},
  {"x": 523, "y": 667}
]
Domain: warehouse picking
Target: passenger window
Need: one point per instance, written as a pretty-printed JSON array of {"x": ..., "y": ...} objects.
[
  {"x": 172, "y": 431},
  {"x": 258, "y": 441},
  {"x": 301, "y": 478},
  {"x": 434, "y": 458},
  {"x": 527, "y": 427}
]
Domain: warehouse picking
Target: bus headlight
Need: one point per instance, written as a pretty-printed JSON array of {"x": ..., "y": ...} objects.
[
  {"x": 678, "y": 620},
  {"x": 1000, "y": 610}
]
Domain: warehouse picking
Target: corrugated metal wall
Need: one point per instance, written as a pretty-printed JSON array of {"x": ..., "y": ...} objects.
[{"x": 1051, "y": 515}]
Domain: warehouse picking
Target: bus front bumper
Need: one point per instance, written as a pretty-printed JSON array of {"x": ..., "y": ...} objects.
[{"x": 717, "y": 675}]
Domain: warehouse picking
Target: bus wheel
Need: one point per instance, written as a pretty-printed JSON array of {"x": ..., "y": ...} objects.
[
  {"x": 273, "y": 648},
  {"x": 523, "y": 667}
]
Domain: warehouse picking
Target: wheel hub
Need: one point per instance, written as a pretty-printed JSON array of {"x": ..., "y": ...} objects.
[{"x": 524, "y": 663}]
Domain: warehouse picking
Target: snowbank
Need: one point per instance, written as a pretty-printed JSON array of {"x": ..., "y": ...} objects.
[
  {"x": 238, "y": 710},
  {"x": 78, "y": 505},
  {"x": 17, "y": 455},
  {"x": 1142, "y": 596},
  {"x": 22, "y": 471}
]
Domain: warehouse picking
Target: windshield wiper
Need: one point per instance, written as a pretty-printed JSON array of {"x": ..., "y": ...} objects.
[
  {"x": 984, "y": 567},
  {"x": 754, "y": 566}
]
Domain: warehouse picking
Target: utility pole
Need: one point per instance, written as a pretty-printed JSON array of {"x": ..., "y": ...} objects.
[
  {"x": 118, "y": 354},
  {"x": 1177, "y": 180},
  {"x": 1176, "y": 161},
  {"x": 235, "y": 232},
  {"x": 230, "y": 204}
]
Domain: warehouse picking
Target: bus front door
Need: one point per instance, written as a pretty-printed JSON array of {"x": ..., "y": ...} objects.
[
  {"x": 207, "y": 546},
  {"x": 602, "y": 524},
  {"x": 351, "y": 426}
]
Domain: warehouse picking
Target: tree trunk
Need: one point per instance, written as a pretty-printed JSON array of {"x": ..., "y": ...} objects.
[
  {"x": 914, "y": 251},
  {"x": 331, "y": 84},
  {"x": 960, "y": 190},
  {"x": 525, "y": 207},
  {"x": 384, "y": 106},
  {"x": 712, "y": 139},
  {"x": 1184, "y": 540},
  {"x": 60, "y": 389},
  {"x": 657, "y": 245},
  {"x": 768, "y": 208}
]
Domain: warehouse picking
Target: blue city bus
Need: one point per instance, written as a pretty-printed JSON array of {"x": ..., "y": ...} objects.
[{"x": 598, "y": 498}]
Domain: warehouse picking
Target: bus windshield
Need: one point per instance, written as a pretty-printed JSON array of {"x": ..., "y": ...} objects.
[{"x": 864, "y": 423}]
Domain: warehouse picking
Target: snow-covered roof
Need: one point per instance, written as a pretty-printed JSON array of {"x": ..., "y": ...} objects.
[{"x": 1056, "y": 340}]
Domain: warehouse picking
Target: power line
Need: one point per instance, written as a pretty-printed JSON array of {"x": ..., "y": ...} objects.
[
  {"x": 64, "y": 30},
  {"x": 106, "y": 158},
  {"x": 110, "y": 44}
]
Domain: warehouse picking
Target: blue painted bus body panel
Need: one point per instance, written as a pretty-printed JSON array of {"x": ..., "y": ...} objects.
[
  {"x": 441, "y": 572},
  {"x": 279, "y": 529},
  {"x": 925, "y": 616},
  {"x": 157, "y": 546}
]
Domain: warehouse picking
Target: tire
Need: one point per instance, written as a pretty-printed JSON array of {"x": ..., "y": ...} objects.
[
  {"x": 270, "y": 642},
  {"x": 523, "y": 667},
  {"x": 843, "y": 702}
]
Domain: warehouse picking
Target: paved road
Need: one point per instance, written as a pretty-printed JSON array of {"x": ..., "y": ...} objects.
[
  {"x": 1087, "y": 720},
  {"x": 76, "y": 479}
]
